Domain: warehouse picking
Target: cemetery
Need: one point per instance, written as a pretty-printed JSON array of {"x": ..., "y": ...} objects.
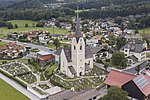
[{"x": 92, "y": 79}]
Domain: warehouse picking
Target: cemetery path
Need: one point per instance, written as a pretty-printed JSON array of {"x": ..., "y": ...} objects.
[
  {"x": 19, "y": 87},
  {"x": 82, "y": 77}
]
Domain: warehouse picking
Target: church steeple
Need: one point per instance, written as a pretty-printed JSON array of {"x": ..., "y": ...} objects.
[{"x": 78, "y": 31}]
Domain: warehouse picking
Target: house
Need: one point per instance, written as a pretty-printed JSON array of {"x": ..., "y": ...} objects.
[
  {"x": 57, "y": 36},
  {"x": 32, "y": 36},
  {"x": 137, "y": 86},
  {"x": 129, "y": 31},
  {"x": 76, "y": 60},
  {"x": 92, "y": 42},
  {"x": 70, "y": 36},
  {"x": 12, "y": 50},
  {"x": 88, "y": 94},
  {"x": 134, "y": 49},
  {"x": 133, "y": 37},
  {"x": 111, "y": 51},
  {"x": 99, "y": 52},
  {"x": 44, "y": 38},
  {"x": 44, "y": 58}
]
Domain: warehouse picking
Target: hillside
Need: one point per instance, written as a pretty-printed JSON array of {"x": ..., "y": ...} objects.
[{"x": 27, "y": 4}]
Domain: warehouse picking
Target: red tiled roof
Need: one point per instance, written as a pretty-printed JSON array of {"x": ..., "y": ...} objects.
[
  {"x": 118, "y": 78},
  {"x": 71, "y": 35},
  {"x": 33, "y": 36},
  {"x": 47, "y": 57}
]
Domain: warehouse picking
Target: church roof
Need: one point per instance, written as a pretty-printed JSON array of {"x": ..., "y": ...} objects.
[
  {"x": 88, "y": 53},
  {"x": 78, "y": 31},
  {"x": 87, "y": 67},
  {"x": 72, "y": 70}
]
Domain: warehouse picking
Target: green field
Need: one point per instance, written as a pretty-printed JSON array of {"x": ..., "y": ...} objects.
[
  {"x": 22, "y": 28},
  {"x": 51, "y": 69},
  {"x": 7, "y": 92},
  {"x": 145, "y": 30},
  {"x": 21, "y": 23},
  {"x": 2, "y": 43}
]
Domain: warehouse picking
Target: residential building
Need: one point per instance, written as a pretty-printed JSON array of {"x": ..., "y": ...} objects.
[
  {"x": 44, "y": 58},
  {"x": 138, "y": 86},
  {"x": 44, "y": 38},
  {"x": 134, "y": 49},
  {"x": 12, "y": 50}
]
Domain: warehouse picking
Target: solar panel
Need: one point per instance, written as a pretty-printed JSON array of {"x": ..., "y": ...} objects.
[{"x": 141, "y": 81}]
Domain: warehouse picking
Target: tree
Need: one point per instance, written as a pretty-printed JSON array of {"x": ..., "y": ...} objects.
[
  {"x": 137, "y": 69},
  {"x": 16, "y": 26},
  {"x": 118, "y": 20},
  {"x": 123, "y": 64},
  {"x": 56, "y": 43},
  {"x": 115, "y": 93},
  {"x": 120, "y": 42},
  {"x": 118, "y": 58},
  {"x": 10, "y": 25},
  {"x": 106, "y": 66},
  {"x": 26, "y": 25},
  {"x": 40, "y": 24}
]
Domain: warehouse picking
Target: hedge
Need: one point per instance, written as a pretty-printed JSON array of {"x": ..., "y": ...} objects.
[{"x": 15, "y": 79}]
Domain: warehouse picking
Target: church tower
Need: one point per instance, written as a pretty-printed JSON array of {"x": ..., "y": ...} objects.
[{"x": 78, "y": 50}]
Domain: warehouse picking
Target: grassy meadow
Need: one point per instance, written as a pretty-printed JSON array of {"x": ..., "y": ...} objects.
[
  {"x": 31, "y": 24},
  {"x": 7, "y": 92}
]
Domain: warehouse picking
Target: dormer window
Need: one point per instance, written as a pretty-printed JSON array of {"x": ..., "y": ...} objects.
[{"x": 80, "y": 47}]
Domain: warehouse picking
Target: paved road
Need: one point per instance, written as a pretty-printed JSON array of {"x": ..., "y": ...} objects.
[
  {"x": 41, "y": 48},
  {"x": 19, "y": 87},
  {"x": 132, "y": 70}
]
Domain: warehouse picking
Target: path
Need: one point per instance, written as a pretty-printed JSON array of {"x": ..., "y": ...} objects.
[
  {"x": 82, "y": 77},
  {"x": 19, "y": 87}
]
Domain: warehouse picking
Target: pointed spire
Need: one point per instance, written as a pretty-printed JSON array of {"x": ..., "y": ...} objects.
[{"x": 78, "y": 32}]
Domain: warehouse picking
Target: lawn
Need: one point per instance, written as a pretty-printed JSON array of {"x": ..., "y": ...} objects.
[
  {"x": 145, "y": 30},
  {"x": 2, "y": 43},
  {"x": 52, "y": 46},
  {"x": 51, "y": 69},
  {"x": 22, "y": 28},
  {"x": 21, "y": 23},
  {"x": 7, "y": 92}
]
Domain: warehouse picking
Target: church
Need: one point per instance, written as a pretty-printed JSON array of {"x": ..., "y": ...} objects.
[{"x": 76, "y": 60}]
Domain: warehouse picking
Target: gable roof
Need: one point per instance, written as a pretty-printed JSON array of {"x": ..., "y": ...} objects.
[
  {"x": 73, "y": 95},
  {"x": 118, "y": 78},
  {"x": 72, "y": 70},
  {"x": 134, "y": 47},
  {"x": 67, "y": 51},
  {"x": 47, "y": 57}
]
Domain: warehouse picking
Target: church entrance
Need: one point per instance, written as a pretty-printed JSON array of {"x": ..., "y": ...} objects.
[{"x": 80, "y": 73}]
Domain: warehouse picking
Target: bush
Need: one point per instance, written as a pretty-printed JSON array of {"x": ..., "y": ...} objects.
[
  {"x": 107, "y": 60},
  {"x": 98, "y": 60},
  {"x": 55, "y": 83},
  {"x": 40, "y": 24}
]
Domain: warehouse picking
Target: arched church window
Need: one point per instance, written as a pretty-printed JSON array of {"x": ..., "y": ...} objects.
[
  {"x": 74, "y": 47},
  {"x": 80, "y": 47}
]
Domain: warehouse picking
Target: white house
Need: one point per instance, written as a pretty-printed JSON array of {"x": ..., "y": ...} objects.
[
  {"x": 134, "y": 50},
  {"x": 43, "y": 38}
]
